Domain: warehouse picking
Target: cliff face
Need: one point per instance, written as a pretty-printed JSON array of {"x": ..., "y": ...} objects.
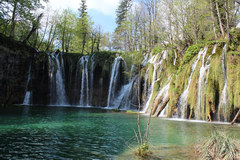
[
  {"x": 202, "y": 85},
  {"x": 14, "y": 61},
  {"x": 54, "y": 79}
]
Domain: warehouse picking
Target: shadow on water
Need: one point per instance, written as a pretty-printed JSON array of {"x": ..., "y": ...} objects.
[{"x": 84, "y": 133}]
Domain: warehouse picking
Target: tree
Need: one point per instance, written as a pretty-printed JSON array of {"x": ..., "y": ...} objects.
[
  {"x": 83, "y": 26},
  {"x": 22, "y": 10}
]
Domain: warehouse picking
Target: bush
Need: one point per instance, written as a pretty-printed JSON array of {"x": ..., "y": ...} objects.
[
  {"x": 143, "y": 151},
  {"x": 219, "y": 146}
]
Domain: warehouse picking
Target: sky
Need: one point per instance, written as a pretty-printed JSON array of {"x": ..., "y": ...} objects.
[{"x": 102, "y": 12}]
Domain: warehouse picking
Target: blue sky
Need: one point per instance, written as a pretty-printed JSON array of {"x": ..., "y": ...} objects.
[{"x": 101, "y": 11}]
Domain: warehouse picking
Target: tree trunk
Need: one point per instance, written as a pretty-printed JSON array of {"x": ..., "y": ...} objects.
[
  {"x": 227, "y": 19},
  {"x": 13, "y": 22},
  {"x": 235, "y": 118},
  {"x": 220, "y": 20},
  {"x": 213, "y": 20},
  {"x": 163, "y": 106}
]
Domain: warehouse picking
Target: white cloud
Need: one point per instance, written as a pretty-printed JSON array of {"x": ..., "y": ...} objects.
[{"x": 107, "y": 7}]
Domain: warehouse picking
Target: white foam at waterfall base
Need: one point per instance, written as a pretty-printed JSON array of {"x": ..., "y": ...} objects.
[
  {"x": 60, "y": 86},
  {"x": 27, "y": 98},
  {"x": 182, "y": 103},
  {"x": 113, "y": 80}
]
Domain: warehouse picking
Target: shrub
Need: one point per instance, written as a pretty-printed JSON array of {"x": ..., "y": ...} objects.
[{"x": 219, "y": 146}]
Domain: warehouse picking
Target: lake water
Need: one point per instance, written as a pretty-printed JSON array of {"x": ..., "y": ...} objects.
[{"x": 88, "y": 133}]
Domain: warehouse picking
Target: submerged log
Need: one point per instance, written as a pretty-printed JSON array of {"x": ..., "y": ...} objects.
[
  {"x": 237, "y": 115},
  {"x": 163, "y": 105}
]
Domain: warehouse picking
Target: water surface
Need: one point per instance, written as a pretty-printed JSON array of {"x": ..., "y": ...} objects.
[{"x": 81, "y": 133}]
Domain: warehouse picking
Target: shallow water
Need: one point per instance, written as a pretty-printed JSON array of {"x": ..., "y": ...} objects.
[{"x": 85, "y": 133}]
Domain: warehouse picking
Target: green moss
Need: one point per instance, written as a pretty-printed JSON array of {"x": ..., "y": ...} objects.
[
  {"x": 150, "y": 74},
  {"x": 157, "y": 49}
]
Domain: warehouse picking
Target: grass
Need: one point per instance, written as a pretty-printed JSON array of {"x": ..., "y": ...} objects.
[{"x": 219, "y": 146}]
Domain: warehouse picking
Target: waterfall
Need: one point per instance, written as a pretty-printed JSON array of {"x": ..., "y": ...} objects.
[
  {"x": 60, "y": 85},
  {"x": 224, "y": 102},
  {"x": 84, "y": 101},
  {"x": 182, "y": 103},
  {"x": 163, "y": 93},
  {"x": 92, "y": 78},
  {"x": 123, "y": 97},
  {"x": 57, "y": 84},
  {"x": 154, "y": 60},
  {"x": 28, "y": 93},
  {"x": 113, "y": 80},
  {"x": 175, "y": 59},
  {"x": 201, "y": 84}
]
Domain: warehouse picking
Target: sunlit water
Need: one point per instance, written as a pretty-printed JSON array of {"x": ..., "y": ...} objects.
[{"x": 77, "y": 133}]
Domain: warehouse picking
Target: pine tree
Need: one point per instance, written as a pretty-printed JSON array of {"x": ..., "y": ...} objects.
[{"x": 83, "y": 25}]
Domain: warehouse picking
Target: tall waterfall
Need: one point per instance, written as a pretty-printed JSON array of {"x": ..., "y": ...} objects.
[
  {"x": 113, "y": 80},
  {"x": 201, "y": 83},
  {"x": 84, "y": 98},
  {"x": 222, "y": 108},
  {"x": 57, "y": 84},
  {"x": 122, "y": 100},
  {"x": 60, "y": 85},
  {"x": 28, "y": 93},
  {"x": 182, "y": 103}
]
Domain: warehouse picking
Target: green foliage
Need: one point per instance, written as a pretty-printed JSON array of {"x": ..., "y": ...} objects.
[
  {"x": 143, "y": 151},
  {"x": 219, "y": 146},
  {"x": 157, "y": 49},
  {"x": 191, "y": 52},
  {"x": 234, "y": 53},
  {"x": 234, "y": 38}
]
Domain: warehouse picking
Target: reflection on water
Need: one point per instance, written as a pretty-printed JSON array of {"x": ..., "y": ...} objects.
[{"x": 74, "y": 133}]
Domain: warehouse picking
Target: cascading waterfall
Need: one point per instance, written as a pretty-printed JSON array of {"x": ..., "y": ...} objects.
[
  {"x": 123, "y": 96},
  {"x": 84, "y": 98},
  {"x": 113, "y": 80},
  {"x": 200, "y": 84},
  {"x": 154, "y": 59},
  {"x": 223, "y": 101},
  {"x": 28, "y": 93},
  {"x": 60, "y": 85},
  {"x": 182, "y": 103}
]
